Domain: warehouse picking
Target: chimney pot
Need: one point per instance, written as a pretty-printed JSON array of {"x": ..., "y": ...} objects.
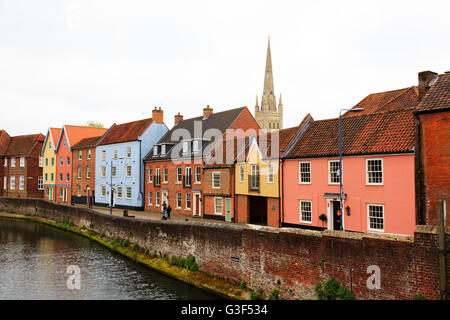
[
  {"x": 207, "y": 111},
  {"x": 426, "y": 80},
  {"x": 178, "y": 118},
  {"x": 158, "y": 115}
]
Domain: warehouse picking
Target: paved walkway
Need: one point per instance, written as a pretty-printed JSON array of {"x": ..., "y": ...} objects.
[{"x": 152, "y": 215}]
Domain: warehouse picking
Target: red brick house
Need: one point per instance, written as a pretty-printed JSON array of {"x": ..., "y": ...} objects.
[
  {"x": 21, "y": 167},
  {"x": 433, "y": 147},
  {"x": 174, "y": 167},
  {"x": 4, "y": 140},
  {"x": 83, "y": 170}
]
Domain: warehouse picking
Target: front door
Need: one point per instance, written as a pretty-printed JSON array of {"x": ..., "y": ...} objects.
[
  {"x": 197, "y": 204},
  {"x": 228, "y": 209},
  {"x": 51, "y": 194},
  {"x": 65, "y": 194},
  {"x": 337, "y": 215}
]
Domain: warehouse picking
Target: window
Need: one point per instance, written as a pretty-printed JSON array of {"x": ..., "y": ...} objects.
[
  {"x": 115, "y": 154},
  {"x": 88, "y": 172},
  {"x": 216, "y": 180},
  {"x": 78, "y": 190},
  {"x": 188, "y": 201},
  {"x": 51, "y": 177},
  {"x": 255, "y": 177},
  {"x": 150, "y": 175},
  {"x": 163, "y": 149},
  {"x": 40, "y": 183},
  {"x": 333, "y": 172},
  {"x": 128, "y": 172},
  {"x": 218, "y": 205},
  {"x": 5, "y": 182},
  {"x": 64, "y": 143},
  {"x": 41, "y": 162},
  {"x": 67, "y": 177},
  {"x": 158, "y": 199},
  {"x": 374, "y": 171},
  {"x": 179, "y": 175},
  {"x": 128, "y": 152},
  {"x": 128, "y": 192},
  {"x": 375, "y": 213},
  {"x": 165, "y": 175},
  {"x": 61, "y": 161},
  {"x": 13, "y": 162},
  {"x": 304, "y": 170},
  {"x": 119, "y": 192},
  {"x": 103, "y": 172},
  {"x": 21, "y": 183},
  {"x": 89, "y": 154},
  {"x": 103, "y": 154},
  {"x": 178, "y": 199},
  {"x": 103, "y": 191},
  {"x": 158, "y": 176},
  {"x": 195, "y": 145},
  {"x": 46, "y": 162},
  {"x": 60, "y": 177},
  {"x": 241, "y": 173},
  {"x": 22, "y": 162},
  {"x": 270, "y": 173},
  {"x": 5, "y": 163},
  {"x": 185, "y": 147},
  {"x": 198, "y": 174},
  {"x": 46, "y": 176},
  {"x": 53, "y": 162},
  {"x": 49, "y": 146},
  {"x": 155, "y": 150},
  {"x": 80, "y": 155},
  {"x": 68, "y": 161},
  {"x": 305, "y": 211},
  {"x": 60, "y": 193},
  {"x": 79, "y": 172},
  {"x": 187, "y": 177},
  {"x": 113, "y": 171},
  {"x": 150, "y": 198},
  {"x": 12, "y": 185}
]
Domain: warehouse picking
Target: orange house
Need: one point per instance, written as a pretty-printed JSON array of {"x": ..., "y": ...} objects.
[{"x": 69, "y": 136}]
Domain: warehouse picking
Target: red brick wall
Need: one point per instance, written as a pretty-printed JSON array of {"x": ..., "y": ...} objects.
[
  {"x": 83, "y": 163},
  {"x": 435, "y": 163}
]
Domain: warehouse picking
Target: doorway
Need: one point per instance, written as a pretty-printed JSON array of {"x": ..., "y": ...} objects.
[
  {"x": 258, "y": 210},
  {"x": 197, "y": 204},
  {"x": 337, "y": 215},
  {"x": 228, "y": 209}
]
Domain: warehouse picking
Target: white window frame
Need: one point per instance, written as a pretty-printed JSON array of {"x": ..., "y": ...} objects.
[
  {"x": 185, "y": 147},
  {"x": 241, "y": 173},
  {"x": 165, "y": 175},
  {"x": 126, "y": 171},
  {"x": 157, "y": 198},
  {"x": 21, "y": 183},
  {"x": 113, "y": 171},
  {"x": 40, "y": 183},
  {"x": 13, "y": 162},
  {"x": 150, "y": 198},
  {"x": 5, "y": 182},
  {"x": 12, "y": 184},
  {"x": 41, "y": 162},
  {"x": 368, "y": 217},
  {"x": 195, "y": 145},
  {"x": 270, "y": 174},
  {"x": 300, "y": 172},
  {"x": 186, "y": 175},
  {"x": 103, "y": 191},
  {"x": 179, "y": 174},
  {"x": 300, "y": 211},
  {"x": 158, "y": 174},
  {"x": 367, "y": 172},
  {"x": 79, "y": 173},
  {"x": 155, "y": 150},
  {"x": 5, "y": 163},
  {"x": 103, "y": 171},
  {"x": 150, "y": 175},
  {"x": 128, "y": 152},
  {"x": 126, "y": 192},
  {"x": 22, "y": 162},
  {"x": 115, "y": 153},
  {"x": 80, "y": 155},
  {"x": 103, "y": 154},
  {"x": 329, "y": 173},
  {"x": 179, "y": 200},
  {"x": 198, "y": 174},
  {"x": 78, "y": 190},
  {"x": 213, "y": 180},
  {"x": 89, "y": 154},
  {"x": 88, "y": 172},
  {"x": 163, "y": 149},
  {"x": 119, "y": 192},
  {"x": 221, "y": 205},
  {"x": 186, "y": 201}
]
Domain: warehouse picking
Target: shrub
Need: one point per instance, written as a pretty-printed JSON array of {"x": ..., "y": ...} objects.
[
  {"x": 345, "y": 294},
  {"x": 331, "y": 287},
  {"x": 274, "y": 295},
  {"x": 243, "y": 284},
  {"x": 102, "y": 234},
  {"x": 147, "y": 252},
  {"x": 124, "y": 243},
  {"x": 135, "y": 246},
  {"x": 255, "y": 295},
  {"x": 188, "y": 263},
  {"x": 332, "y": 290},
  {"x": 419, "y": 296},
  {"x": 154, "y": 254}
]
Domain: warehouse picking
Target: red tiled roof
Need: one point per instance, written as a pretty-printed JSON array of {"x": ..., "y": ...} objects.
[
  {"x": 55, "y": 132},
  {"x": 4, "y": 140},
  {"x": 87, "y": 142},
  {"x": 124, "y": 132},
  {"x": 22, "y": 145},
  {"x": 77, "y": 133},
  {"x": 438, "y": 96},
  {"x": 387, "y": 101},
  {"x": 388, "y": 132}
]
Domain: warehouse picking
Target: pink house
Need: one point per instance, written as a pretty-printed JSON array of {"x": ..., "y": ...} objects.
[{"x": 377, "y": 173}]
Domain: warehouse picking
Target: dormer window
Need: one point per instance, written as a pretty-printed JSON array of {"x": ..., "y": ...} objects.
[
  {"x": 155, "y": 150},
  {"x": 163, "y": 149},
  {"x": 185, "y": 147},
  {"x": 195, "y": 145}
]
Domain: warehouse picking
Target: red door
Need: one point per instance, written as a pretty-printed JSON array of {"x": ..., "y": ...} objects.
[{"x": 197, "y": 205}]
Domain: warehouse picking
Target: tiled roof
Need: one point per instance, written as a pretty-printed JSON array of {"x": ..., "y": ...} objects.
[
  {"x": 218, "y": 121},
  {"x": 438, "y": 96},
  {"x": 387, "y": 101},
  {"x": 388, "y": 132},
  {"x": 130, "y": 131},
  {"x": 77, "y": 133},
  {"x": 22, "y": 145},
  {"x": 4, "y": 140},
  {"x": 87, "y": 142},
  {"x": 55, "y": 132}
]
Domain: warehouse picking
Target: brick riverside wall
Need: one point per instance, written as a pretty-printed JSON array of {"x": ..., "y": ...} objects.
[
  {"x": 290, "y": 260},
  {"x": 435, "y": 158}
]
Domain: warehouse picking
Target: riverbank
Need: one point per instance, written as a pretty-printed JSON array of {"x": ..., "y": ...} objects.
[{"x": 149, "y": 259}]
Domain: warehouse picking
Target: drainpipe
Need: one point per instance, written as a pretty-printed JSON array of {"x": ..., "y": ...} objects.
[
  {"x": 420, "y": 212},
  {"x": 442, "y": 251}
]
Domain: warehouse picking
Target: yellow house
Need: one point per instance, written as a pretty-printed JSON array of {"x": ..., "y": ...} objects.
[
  {"x": 49, "y": 164},
  {"x": 257, "y": 177}
]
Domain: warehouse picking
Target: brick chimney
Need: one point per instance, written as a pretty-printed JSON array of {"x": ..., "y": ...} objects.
[
  {"x": 158, "y": 115},
  {"x": 426, "y": 80},
  {"x": 178, "y": 118},
  {"x": 207, "y": 111}
]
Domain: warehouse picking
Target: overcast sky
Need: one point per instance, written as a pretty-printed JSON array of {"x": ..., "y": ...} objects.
[{"x": 70, "y": 61}]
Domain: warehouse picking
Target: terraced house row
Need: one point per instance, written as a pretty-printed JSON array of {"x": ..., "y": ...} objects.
[{"x": 381, "y": 167}]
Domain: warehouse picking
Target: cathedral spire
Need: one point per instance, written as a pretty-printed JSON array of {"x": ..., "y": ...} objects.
[{"x": 268, "y": 78}]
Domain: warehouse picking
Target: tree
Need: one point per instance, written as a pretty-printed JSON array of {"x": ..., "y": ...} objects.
[{"x": 94, "y": 124}]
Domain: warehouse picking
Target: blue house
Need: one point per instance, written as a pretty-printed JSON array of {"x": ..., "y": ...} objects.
[{"x": 119, "y": 166}]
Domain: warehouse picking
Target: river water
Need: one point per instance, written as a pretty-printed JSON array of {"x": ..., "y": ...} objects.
[{"x": 34, "y": 260}]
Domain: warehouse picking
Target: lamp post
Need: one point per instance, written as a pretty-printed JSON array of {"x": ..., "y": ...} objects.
[
  {"x": 111, "y": 187},
  {"x": 340, "y": 163}
]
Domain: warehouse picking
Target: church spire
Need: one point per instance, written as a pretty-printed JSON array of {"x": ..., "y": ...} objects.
[{"x": 268, "y": 78}]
